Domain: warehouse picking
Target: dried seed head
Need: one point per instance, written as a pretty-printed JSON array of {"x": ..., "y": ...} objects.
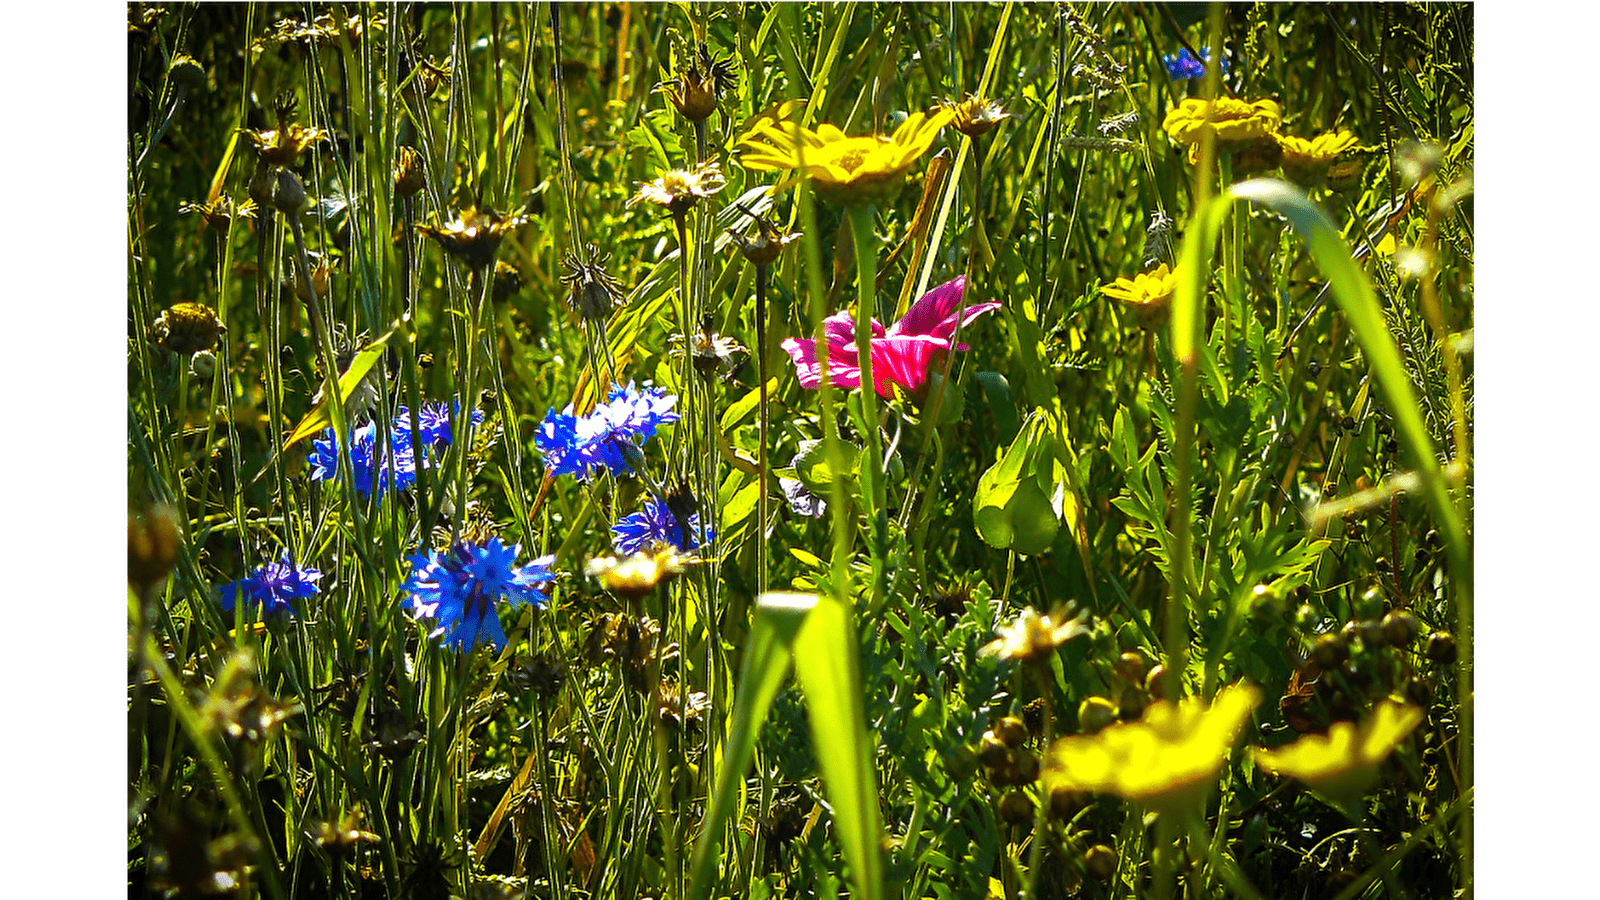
[
  {"x": 593, "y": 292},
  {"x": 768, "y": 243},
  {"x": 409, "y": 178},
  {"x": 699, "y": 81},
  {"x": 186, "y": 328}
]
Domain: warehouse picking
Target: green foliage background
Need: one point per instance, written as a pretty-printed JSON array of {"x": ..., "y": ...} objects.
[{"x": 544, "y": 768}]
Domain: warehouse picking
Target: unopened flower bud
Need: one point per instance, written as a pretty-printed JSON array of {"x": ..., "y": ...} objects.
[
  {"x": 202, "y": 364},
  {"x": 1100, "y": 861},
  {"x": 1095, "y": 713},
  {"x": 992, "y": 751},
  {"x": 153, "y": 539},
  {"x": 186, "y": 73},
  {"x": 408, "y": 174},
  {"x": 1016, "y": 807},
  {"x": 1130, "y": 667},
  {"x": 1401, "y": 628},
  {"x": 1329, "y": 651},
  {"x": 1442, "y": 648},
  {"x": 288, "y": 196},
  {"x": 1012, "y": 731}
]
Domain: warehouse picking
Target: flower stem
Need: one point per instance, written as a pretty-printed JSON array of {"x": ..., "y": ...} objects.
[{"x": 865, "y": 243}]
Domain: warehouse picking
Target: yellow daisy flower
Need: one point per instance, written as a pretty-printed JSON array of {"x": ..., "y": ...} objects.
[
  {"x": 845, "y": 170},
  {"x": 1306, "y": 161},
  {"x": 1343, "y": 764},
  {"x": 1166, "y": 761},
  {"x": 1236, "y": 123},
  {"x": 1149, "y": 294}
]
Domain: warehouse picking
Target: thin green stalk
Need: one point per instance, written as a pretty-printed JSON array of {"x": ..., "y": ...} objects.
[{"x": 864, "y": 240}]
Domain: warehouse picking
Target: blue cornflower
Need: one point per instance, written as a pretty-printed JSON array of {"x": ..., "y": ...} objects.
[
  {"x": 607, "y": 438},
  {"x": 433, "y": 421},
  {"x": 395, "y": 466},
  {"x": 656, "y": 524},
  {"x": 272, "y": 586},
  {"x": 1183, "y": 64},
  {"x": 458, "y": 588},
  {"x": 374, "y": 467}
]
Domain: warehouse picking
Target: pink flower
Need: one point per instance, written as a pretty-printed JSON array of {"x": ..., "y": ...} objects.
[{"x": 902, "y": 353}]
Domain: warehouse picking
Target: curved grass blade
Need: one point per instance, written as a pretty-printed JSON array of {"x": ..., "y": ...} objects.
[
  {"x": 818, "y": 636},
  {"x": 776, "y": 622},
  {"x": 1355, "y": 297},
  {"x": 828, "y": 664}
]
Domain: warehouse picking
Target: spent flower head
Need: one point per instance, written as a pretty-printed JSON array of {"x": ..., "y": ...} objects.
[
  {"x": 1033, "y": 638},
  {"x": 713, "y": 355},
  {"x": 975, "y": 115},
  {"x": 186, "y": 328},
  {"x": 678, "y": 190},
  {"x": 636, "y": 575},
  {"x": 474, "y": 234},
  {"x": 457, "y": 589},
  {"x": 219, "y": 213},
  {"x": 769, "y": 240}
]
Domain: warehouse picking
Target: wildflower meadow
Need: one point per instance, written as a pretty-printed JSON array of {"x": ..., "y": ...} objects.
[{"x": 805, "y": 450}]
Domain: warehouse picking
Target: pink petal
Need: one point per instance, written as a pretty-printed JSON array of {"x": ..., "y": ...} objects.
[
  {"x": 841, "y": 360},
  {"x": 931, "y": 309},
  {"x": 904, "y": 359}
]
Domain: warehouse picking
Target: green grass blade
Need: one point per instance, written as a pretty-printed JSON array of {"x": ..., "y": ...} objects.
[
  {"x": 1354, "y": 295},
  {"x": 828, "y": 664},
  {"x": 774, "y": 626}
]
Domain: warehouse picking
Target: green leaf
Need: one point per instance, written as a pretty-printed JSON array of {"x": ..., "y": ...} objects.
[
  {"x": 773, "y": 628},
  {"x": 322, "y": 416},
  {"x": 828, "y": 664},
  {"x": 812, "y": 468},
  {"x": 1019, "y": 501},
  {"x": 818, "y": 634}
]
